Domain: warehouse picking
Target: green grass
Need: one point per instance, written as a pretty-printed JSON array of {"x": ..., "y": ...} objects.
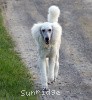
[{"x": 14, "y": 76}]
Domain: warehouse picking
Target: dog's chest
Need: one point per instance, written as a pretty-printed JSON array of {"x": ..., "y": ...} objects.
[{"x": 48, "y": 51}]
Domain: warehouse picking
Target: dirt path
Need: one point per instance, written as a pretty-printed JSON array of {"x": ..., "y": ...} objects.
[{"x": 75, "y": 74}]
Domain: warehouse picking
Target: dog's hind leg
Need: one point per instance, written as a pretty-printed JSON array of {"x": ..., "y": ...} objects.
[{"x": 56, "y": 67}]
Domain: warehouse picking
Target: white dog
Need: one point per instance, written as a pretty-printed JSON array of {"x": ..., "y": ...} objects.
[{"x": 48, "y": 38}]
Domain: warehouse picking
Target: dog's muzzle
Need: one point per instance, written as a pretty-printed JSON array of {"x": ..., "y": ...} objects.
[{"x": 47, "y": 40}]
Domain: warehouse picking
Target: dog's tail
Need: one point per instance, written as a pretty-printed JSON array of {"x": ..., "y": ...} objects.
[{"x": 53, "y": 14}]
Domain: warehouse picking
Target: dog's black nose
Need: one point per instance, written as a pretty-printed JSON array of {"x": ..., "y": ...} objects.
[{"x": 47, "y": 40}]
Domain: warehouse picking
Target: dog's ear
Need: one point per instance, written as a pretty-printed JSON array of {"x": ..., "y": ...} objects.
[
  {"x": 36, "y": 31},
  {"x": 57, "y": 31}
]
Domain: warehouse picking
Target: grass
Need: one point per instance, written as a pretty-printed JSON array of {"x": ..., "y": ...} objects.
[{"x": 14, "y": 76}]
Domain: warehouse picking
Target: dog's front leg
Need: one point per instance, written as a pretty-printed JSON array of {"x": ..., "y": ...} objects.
[
  {"x": 42, "y": 67},
  {"x": 51, "y": 68}
]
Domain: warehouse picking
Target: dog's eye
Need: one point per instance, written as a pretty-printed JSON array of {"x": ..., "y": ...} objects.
[
  {"x": 49, "y": 30},
  {"x": 43, "y": 30}
]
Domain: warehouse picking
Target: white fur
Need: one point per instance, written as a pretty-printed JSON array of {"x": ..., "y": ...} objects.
[
  {"x": 50, "y": 51},
  {"x": 53, "y": 14}
]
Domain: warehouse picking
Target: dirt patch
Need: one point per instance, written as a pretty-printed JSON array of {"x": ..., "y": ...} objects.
[{"x": 87, "y": 26}]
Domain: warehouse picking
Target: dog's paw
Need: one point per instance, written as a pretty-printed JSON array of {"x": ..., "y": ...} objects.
[
  {"x": 45, "y": 89},
  {"x": 51, "y": 81}
]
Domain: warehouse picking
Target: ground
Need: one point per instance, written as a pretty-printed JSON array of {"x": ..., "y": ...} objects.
[{"x": 75, "y": 74}]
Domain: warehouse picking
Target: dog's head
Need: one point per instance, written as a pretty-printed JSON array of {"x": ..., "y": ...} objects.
[{"x": 46, "y": 32}]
